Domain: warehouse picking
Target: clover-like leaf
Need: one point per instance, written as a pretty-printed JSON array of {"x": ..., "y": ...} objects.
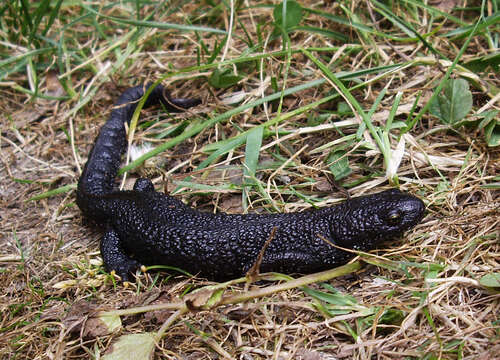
[
  {"x": 491, "y": 280},
  {"x": 339, "y": 164},
  {"x": 223, "y": 78},
  {"x": 112, "y": 322},
  {"x": 293, "y": 15},
  {"x": 132, "y": 347},
  {"x": 454, "y": 103},
  {"x": 492, "y": 133}
]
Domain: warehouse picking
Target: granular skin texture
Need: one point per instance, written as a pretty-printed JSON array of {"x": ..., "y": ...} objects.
[{"x": 143, "y": 226}]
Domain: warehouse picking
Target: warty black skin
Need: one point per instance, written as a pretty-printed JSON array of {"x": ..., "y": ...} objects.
[{"x": 147, "y": 227}]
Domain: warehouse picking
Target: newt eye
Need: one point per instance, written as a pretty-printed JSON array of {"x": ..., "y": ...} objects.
[{"x": 394, "y": 217}]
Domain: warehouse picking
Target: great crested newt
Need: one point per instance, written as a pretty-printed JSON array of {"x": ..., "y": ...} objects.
[{"x": 143, "y": 226}]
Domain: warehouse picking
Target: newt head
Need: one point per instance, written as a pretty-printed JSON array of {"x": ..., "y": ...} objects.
[{"x": 368, "y": 220}]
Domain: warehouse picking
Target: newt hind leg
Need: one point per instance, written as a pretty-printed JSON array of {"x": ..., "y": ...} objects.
[{"x": 114, "y": 256}]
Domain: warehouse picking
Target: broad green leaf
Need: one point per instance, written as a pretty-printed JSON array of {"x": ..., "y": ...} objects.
[
  {"x": 339, "y": 164},
  {"x": 455, "y": 102},
  {"x": 491, "y": 125},
  {"x": 292, "y": 17},
  {"x": 112, "y": 322},
  {"x": 392, "y": 317},
  {"x": 487, "y": 117},
  {"x": 223, "y": 78},
  {"x": 132, "y": 347},
  {"x": 343, "y": 108},
  {"x": 492, "y": 133},
  {"x": 491, "y": 280}
]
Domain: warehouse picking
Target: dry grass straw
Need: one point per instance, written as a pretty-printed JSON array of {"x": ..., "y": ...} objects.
[{"x": 423, "y": 300}]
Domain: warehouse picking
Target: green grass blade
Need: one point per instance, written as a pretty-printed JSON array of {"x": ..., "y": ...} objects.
[
  {"x": 352, "y": 100},
  {"x": 404, "y": 26},
  {"x": 210, "y": 122},
  {"x": 156, "y": 24},
  {"x": 478, "y": 27},
  {"x": 47, "y": 194},
  {"x": 435, "y": 11},
  {"x": 252, "y": 151}
]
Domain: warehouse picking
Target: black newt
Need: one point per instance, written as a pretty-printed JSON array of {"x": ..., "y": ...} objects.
[{"x": 144, "y": 226}]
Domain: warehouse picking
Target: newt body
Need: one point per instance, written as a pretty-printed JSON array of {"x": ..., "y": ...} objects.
[{"x": 144, "y": 226}]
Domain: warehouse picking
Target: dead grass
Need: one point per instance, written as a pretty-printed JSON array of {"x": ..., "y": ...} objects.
[{"x": 423, "y": 298}]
